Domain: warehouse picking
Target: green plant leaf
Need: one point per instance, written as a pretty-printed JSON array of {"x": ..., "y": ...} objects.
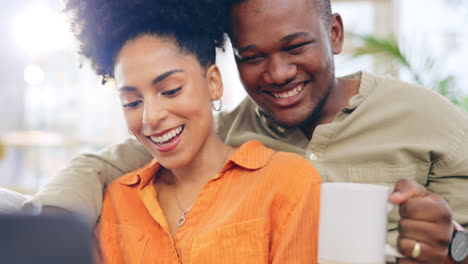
[{"x": 388, "y": 49}]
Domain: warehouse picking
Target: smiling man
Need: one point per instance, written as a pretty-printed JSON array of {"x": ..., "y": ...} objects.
[
  {"x": 358, "y": 128},
  {"x": 286, "y": 62}
]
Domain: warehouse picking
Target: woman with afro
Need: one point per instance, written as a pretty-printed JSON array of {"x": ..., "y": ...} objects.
[{"x": 199, "y": 201}]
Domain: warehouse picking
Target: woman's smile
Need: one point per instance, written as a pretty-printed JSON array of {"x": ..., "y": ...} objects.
[{"x": 167, "y": 140}]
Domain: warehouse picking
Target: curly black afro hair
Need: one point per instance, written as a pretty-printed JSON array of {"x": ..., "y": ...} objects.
[{"x": 102, "y": 27}]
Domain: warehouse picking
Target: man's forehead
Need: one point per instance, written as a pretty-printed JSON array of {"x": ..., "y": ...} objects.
[
  {"x": 254, "y": 20},
  {"x": 255, "y": 6},
  {"x": 260, "y": 6},
  {"x": 253, "y": 13}
]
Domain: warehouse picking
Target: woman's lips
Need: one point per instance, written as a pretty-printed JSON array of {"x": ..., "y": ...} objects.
[{"x": 169, "y": 140}]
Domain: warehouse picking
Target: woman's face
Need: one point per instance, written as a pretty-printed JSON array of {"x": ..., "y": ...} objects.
[{"x": 166, "y": 98}]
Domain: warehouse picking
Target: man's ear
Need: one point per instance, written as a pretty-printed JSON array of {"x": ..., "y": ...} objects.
[
  {"x": 215, "y": 83},
  {"x": 336, "y": 33}
]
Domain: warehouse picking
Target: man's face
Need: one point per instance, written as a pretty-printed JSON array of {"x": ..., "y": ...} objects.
[{"x": 284, "y": 54}]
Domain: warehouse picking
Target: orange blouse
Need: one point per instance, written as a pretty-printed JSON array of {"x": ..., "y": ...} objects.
[{"x": 262, "y": 207}]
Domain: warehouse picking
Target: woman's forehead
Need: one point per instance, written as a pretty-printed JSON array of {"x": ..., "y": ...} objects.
[{"x": 147, "y": 57}]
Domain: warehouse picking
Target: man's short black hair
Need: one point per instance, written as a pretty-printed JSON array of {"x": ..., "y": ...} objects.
[
  {"x": 103, "y": 27},
  {"x": 323, "y": 7}
]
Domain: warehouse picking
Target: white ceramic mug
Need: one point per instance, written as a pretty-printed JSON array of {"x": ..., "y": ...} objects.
[{"x": 353, "y": 223}]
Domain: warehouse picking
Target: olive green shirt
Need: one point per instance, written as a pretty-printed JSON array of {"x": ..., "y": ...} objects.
[{"x": 389, "y": 130}]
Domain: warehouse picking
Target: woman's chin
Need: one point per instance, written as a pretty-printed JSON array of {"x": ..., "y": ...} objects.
[{"x": 171, "y": 164}]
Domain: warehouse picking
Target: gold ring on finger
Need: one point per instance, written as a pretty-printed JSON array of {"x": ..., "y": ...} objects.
[{"x": 416, "y": 250}]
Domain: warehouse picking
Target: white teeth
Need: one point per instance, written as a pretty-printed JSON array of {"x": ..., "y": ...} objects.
[
  {"x": 289, "y": 93},
  {"x": 169, "y": 135}
]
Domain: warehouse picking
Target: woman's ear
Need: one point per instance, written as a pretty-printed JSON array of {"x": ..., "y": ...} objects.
[{"x": 215, "y": 83}]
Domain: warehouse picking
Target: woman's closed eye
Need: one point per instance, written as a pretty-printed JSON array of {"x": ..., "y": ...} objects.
[
  {"x": 132, "y": 104},
  {"x": 172, "y": 92}
]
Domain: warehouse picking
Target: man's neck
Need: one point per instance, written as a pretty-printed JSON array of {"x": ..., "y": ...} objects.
[{"x": 339, "y": 97}]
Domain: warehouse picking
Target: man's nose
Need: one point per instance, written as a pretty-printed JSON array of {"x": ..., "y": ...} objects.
[{"x": 279, "y": 70}]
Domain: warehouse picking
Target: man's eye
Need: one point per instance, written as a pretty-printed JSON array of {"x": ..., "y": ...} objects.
[
  {"x": 252, "y": 59},
  {"x": 172, "y": 92},
  {"x": 297, "y": 47},
  {"x": 133, "y": 104}
]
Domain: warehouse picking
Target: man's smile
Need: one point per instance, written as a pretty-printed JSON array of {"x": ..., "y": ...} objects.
[{"x": 287, "y": 97}]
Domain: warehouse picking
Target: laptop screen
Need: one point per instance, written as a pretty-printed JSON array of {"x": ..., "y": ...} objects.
[{"x": 44, "y": 239}]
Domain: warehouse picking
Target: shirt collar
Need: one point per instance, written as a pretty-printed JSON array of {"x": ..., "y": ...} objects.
[
  {"x": 141, "y": 176},
  {"x": 250, "y": 155},
  {"x": 367, "y": 83},
  {"x": 268, "y": 121}
]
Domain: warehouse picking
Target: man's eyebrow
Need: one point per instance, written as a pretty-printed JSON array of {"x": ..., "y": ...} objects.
[
  {"x": 153, "y": 82},
  {"x": 246, "y": 48},
  {"x": 293, "y": 36},
  {"x": 284, "y": 39}
]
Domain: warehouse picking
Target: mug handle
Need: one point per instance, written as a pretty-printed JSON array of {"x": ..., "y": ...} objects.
[{"x": 391, "y": 253}]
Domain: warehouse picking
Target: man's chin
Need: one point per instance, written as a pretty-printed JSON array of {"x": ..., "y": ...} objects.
[
  {"x": 289, "y": 121},
  {"x": 286, "y": 118}
]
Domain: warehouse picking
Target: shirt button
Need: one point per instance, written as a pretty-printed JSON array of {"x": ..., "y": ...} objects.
[{"x": 312, "y": 156}]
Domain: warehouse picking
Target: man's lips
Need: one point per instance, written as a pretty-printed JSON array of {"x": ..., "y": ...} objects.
[{"x": 287, "y": 92}]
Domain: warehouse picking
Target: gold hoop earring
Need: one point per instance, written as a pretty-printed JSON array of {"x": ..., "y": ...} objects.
[{"x": 220, "y": 105}]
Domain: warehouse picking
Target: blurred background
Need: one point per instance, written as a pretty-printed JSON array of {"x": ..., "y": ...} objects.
[{"x": 54, "y": 107}]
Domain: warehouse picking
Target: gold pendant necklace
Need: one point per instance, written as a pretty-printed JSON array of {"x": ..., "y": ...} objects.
[{"x": 181, "y": 220}]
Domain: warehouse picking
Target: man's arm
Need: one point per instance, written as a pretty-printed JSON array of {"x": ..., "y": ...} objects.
[
  {"x": 426, "y": 214},
  {"x": 79, "y": 187},
  {"x": 449, "y": 174}
]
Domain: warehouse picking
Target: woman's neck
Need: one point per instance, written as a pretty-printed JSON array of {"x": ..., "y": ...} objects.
[{"x": 207, "y": 163}]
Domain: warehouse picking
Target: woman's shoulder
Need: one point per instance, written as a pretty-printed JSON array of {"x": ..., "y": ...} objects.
[
  {"x": 294, "y": 166},
  {"x": 135, "y": 178},
  {"x": 288, "y": 178},
  {"x": 284, "y": 167}
]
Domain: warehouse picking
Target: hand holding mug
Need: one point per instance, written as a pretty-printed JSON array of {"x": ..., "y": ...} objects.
[{"x": 425, "y": 228}]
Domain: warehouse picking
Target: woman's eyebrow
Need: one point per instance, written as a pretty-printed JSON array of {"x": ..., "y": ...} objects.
[
  {"x": 156, "y": 80},
  {"x": 164, "y": 76},
  {"x": 127, "y": 89}
]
